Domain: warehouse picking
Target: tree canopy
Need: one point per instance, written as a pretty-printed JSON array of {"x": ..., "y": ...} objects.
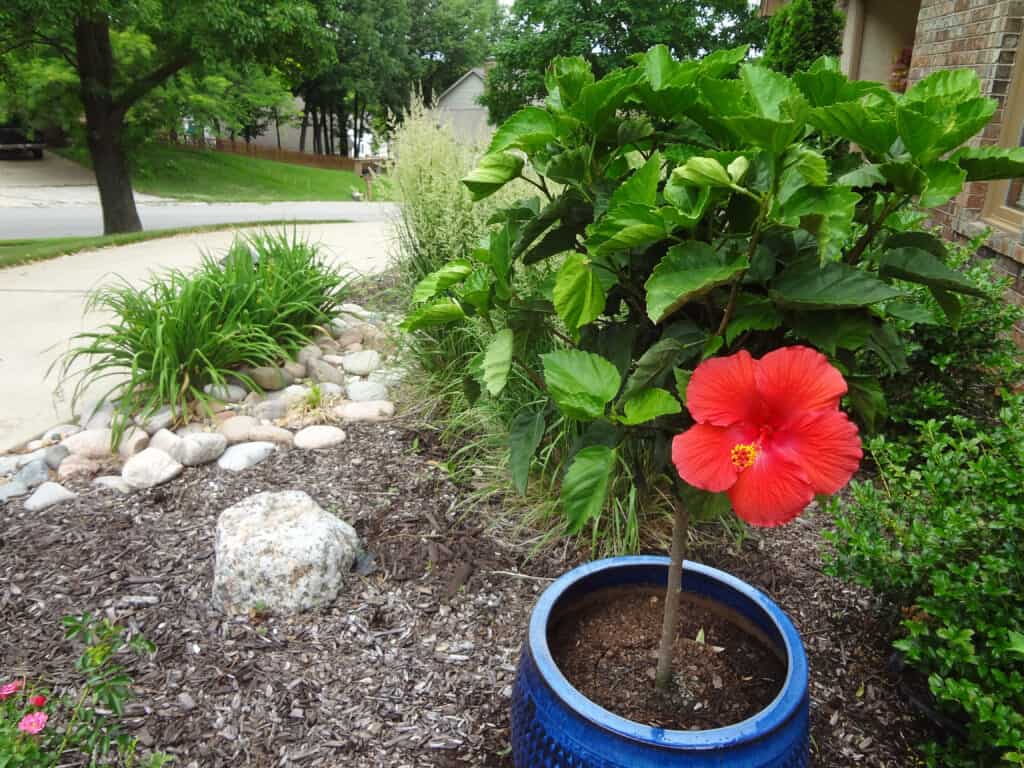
[
  {"x": 801, "y": 32},
  {"x": 606, "y": 33}
]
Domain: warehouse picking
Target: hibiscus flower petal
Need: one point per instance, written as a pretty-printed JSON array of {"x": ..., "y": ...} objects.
[
  {"x": 722, "y": 391},
  {"x": 826, "y": 446},
  {"x": 772, "y": 492},
  {"x": 794, "y": 380},
  {"x": 702, "y": 455}
]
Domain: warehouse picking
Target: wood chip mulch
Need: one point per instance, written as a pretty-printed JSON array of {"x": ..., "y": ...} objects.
[{"x": 413, "y": 665}]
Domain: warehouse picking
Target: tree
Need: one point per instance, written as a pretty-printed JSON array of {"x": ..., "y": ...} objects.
[
  {"x": 802, "y": 32},
  {"x": 181, "y": 35},
  {"x": 449, "y": 37},
  {"x": 606, "y": 33}
]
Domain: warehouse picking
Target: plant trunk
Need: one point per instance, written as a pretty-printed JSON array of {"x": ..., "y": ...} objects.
[
  {"x": 316, "y": 131},
  {"x": 104, "y": 124},
  {"x": 305, "y": 125},
  {"x": 277, "y": 128},
  {"x": 673, "y": 596},
  {"x": 343, "y": 131}
]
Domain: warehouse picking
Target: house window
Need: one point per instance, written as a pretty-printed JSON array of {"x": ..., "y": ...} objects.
[{"x": 1004, "y": 201}]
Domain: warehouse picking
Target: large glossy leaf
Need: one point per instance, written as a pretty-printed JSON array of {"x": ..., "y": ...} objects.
[
  {"x": 585, "y": 486},
  {"x": 856, "y": 122},
  {"x": 498, "y": 361},
  {"x": 578, "y": 295},
  {"x": 625, "y": 227},
  {"x": 702, "y": 172},
  {"x": 581, "y": 383},
  {"x": 929, "y": 131},
  {"x": 525, "y": 434},
  {"x": 642, "y": 187},
  {"x": 834, "y": 285},
  {"x": 868, "y": 400},
  {"x": 765, "y": 132},
  {"x": 494, "y": 171},
  {"x": 951, "y": 305},
  {"x": 450, "y": 274},
  {"x": 569, "y": 167},
  {"x": 690, "y": 201},
  {"x": 475, "y": 291},
  {"x": 528, "y": 129},
  {"x": 945, "y": 180},
  {"x": 654, "y": 366},
  {"x": 441, "y": 313},
  {"x": 990, "y": 163},
  {"x": 773, "y": 94},
  {"x": 648, "y": 405},
  {"x": 598, "y": 101},
  {"x": 724, "y": 61},
  {"x": 801, "y": 167},
  {"x": 554, "y": 242},
  {"x": 918, "y": 266},
  {"x": 824, "y": 84},
  {"x": 752, "y": 313},
  {"x": 825, "y": 212},
  {"x": 950, "y": 86},
  {"x": 687, "y": 271},
  {"x": 565, "y": 78},
  {"x": 867, "y": 175},
  {"x": 831, "y": 331}
]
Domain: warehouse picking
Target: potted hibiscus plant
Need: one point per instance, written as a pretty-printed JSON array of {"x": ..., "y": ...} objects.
[{"x": 717, "y": 272}]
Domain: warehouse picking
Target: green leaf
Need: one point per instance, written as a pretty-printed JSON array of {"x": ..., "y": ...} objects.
[
  {"x": 568, "y": 167},
  {"x": 724, "y": 61},
  {"x": 868, "y": 400},
  {"x": 929, "y": 129},
  {"x": 682, "y": 378},
  {"x": 556, "y": 241},
  {"x": 625, "y": 227},
  {"x": 917, "y": 266},
  {"x": 915, "y": 314},
  {"x": 905, "y": 177},
  {"x": 585, "y": 486},
  {"x": 752, "y": 313},
  {"x": 450, "y": 274},
  {"x": 990, "y": 163},
  {"x": 525, "y": 434},
  {"x": 886, "y": 343},
  {"x": 665, "y": 354},
  {"x": 578, "y": 295},
  {"x": 951, "y": 305},
  {"x": 498, "y": 361},
  {"x": 565, "y": 78},
  {"x": 634, "y": 129},
  {"x": 825, "y": 212},
  {"x": 528, "y": 129},
  {"x": 801, "y": 167},
  {"x": 867, "y": 175},
  {"x": 773, "y": 94},
  {"x": 824, "y": 85},
  {"x": 494, "y": 171},
  {"x": 648, "y": 405},
  {"x": 773, "y": 135},
  {"x": 948, "y": 86},
  {"x": 833, "y": 285},
  {"x": 686, "y": 272},
  {"x": 858, "y": 123},
  {"x": 703, "y": 172},
  {"x": 598, "y": 101},
  {"x": 691, "y": 201},
  {"x": 581, "y": 383},
  {"x": 926, "y": 241},
  {"x": 441, "y": 313},
  {"x": 832, "y": 331},
  {"x": 642, "y": 187},
  {"x": 945, "y": 180},
  {"x": 476, "y": 290}
]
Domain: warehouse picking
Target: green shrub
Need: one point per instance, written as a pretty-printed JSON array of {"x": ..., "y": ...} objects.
[
  {"x": 183, "y": 331},
  {"x": 940, "y": 534},
  {"x": 680, "y": 213},
  {"x": 801, "y": 32}
]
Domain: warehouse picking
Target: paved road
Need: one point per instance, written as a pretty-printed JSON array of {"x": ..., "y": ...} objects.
[{"x": 42, "y": 307}]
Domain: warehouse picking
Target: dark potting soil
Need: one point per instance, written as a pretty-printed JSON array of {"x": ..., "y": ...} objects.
[{"x": 607, "y": 648}]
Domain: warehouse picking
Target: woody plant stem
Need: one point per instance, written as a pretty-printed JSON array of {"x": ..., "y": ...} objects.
[{"x": 673, "y": 595}]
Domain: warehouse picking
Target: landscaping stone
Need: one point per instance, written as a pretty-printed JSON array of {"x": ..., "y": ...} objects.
[
  {"x": 57, "y": 433},
  {"x": 9, "y": 465},
  {"x": 150, "y": 468},
  {"x": 271, "y": 378},
  {"x": 195, "y": 428},
  {"x": 361, "y": 363},
  {"x": 321, "y": 436},
  {"x": 357, "y": 347},
  {"x": 376, "y": 339},
  {"x": 295, "y": 369},
  {"x": 162, "y": 418},
  {"x": 334, "y": 359},
  {"x": 76, "y": 466},
  {"x": 327, "y": 345},
  {"x": 322, "y": 371},
  {"x": 373, "y": 410},
  {"x": 236, "y": 430},
  {"x": 133, "y": 442},
  {"x": 362, "y": 390},
  {"x": 47, "y": 495},
  {"x": 330, "y": 389},
  {"x": 11, "y": 490},
  {"x": 91, "y": 443},
  {"x": 200, "y": 448},
  {"x": 307, "y": 353},
  {"x": 244, "y": 455},
  {"x": 271, "y": 409},
  {"x": 165, "y": 440},
  {"x": 280, "y": 552},
  {"x": 55, "y": 454},
  {"x": 97, "y": 416},
  {"x": 339, "y": 325},
  {"x": 350, "y": 335},
  {"x": 226, "y": 393},
  {"x": 114, "y": 483},
  {"x": 268, "y": 433},
  {"x": 33, "y": 474},
  {"x": 355, "y": 310},
  {"x": 35, "y": 445}
]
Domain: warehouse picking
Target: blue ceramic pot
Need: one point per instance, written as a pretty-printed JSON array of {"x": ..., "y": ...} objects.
[{"x": 555, "y": 726}]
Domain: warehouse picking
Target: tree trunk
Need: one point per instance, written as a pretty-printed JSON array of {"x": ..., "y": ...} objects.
[
  {"x": 330, "y": 128},
  {"x": 104, "y": 124},
  {"x": 316, "y": 131},
  {"x": 305, "y": 124},
  {"x": 355, "y": 126},
  {"x": 673, "y": 596},
  {"x": 325, "y": 142},
  {"x": 277, "y": 127},
  {"x": 343, "y": 131}
]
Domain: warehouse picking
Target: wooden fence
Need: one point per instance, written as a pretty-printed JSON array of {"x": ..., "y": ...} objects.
[{"x": 335, "y": 162}]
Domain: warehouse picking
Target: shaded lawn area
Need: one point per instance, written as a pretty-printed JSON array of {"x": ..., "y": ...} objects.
[{"x": 186, "y": 173}]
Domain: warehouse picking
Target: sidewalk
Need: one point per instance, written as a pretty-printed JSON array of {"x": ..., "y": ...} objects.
[{"x": 42, "y": 306}]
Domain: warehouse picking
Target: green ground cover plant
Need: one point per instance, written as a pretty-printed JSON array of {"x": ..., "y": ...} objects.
[
  {"x": 187, "y": 173},
  {"x": 940, "y": 534},
  {"x": 183, "y": 331},
  {"x": 683, "y": 210}
]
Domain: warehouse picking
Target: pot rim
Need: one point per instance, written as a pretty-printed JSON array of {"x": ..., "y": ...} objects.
[{"x": 783, "y": 707}]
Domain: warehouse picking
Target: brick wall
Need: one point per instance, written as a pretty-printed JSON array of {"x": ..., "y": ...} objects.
[{"x": 983, "y": 35}]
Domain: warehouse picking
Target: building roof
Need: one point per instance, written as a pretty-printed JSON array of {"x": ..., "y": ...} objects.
[{"x": 474, "y": 72}]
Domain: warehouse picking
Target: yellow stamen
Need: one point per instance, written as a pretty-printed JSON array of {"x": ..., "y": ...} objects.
[{"x": 743, "y": 455}]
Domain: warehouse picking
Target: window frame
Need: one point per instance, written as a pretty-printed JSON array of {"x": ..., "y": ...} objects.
[{"x": 997, "y": 212}]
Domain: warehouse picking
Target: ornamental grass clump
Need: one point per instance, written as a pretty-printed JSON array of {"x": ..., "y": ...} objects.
[{"x": 723, "y": 274}]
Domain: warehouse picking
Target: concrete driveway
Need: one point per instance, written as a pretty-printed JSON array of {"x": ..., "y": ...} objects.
[{"x": 42, "y": 307}]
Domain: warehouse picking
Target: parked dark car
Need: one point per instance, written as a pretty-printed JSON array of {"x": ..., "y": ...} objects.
[{"x": 14, "y": 139}]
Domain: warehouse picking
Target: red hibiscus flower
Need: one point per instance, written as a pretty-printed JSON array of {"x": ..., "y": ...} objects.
[{"x": 768, "y": 431}]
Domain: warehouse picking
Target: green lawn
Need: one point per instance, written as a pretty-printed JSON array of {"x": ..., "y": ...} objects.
[
  {"x": 197, "y": 174},
  {"x": 14, "y": 252}
]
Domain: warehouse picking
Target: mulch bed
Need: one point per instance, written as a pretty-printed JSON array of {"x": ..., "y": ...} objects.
[{"x": 413, "y": 665}]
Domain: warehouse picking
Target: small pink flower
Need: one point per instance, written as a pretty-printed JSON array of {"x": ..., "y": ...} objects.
[
  {"x": 37, "y": 701},
  {"x": 33, "y": 722},
  {"x": 10, "y": 689}
]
